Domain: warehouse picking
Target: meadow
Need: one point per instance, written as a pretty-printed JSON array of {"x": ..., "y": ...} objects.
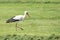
[
  {"x": 27, "y": 1},
  {"x": 44, "y": 21}
]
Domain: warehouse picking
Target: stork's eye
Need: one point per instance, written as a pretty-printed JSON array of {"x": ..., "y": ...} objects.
[{"x": 27, "y": 13}]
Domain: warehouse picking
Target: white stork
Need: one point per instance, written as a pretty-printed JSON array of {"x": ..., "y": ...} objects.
[{"x": 18, "y": 18}]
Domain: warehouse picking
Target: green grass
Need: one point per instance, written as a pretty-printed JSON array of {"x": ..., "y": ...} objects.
[
  {"x": 16, "y": 1},
  {"x": 44, "y": 20},
  {"x": 29, "y": 37}
]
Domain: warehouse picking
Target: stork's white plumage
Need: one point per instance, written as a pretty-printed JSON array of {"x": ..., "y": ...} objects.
[
  {"x": 18, "y": 18},
  {"x": 21, "y": 17}
]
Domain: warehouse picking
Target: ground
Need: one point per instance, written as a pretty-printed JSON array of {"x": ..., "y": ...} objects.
[{"x": 44, "y": 19}]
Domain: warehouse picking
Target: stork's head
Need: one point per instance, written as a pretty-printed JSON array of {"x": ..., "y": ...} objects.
[{"x": 26, "y": 13}]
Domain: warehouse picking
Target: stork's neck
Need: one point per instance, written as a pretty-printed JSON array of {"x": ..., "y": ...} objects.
[{"x": 24, "y": 14}]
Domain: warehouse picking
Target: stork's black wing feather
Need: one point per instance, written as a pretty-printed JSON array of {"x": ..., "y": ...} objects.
[{"x": 11, "y": 20}]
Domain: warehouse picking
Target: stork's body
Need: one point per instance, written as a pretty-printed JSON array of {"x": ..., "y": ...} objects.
[{"x": 17, "y": 18}]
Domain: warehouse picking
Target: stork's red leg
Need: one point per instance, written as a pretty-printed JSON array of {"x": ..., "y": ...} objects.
[
  {"x": 16, "y": 26},
  {"x": 21, "y": 28}
]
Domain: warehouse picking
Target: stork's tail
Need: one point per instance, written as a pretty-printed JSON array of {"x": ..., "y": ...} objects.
[{"x": 8, "y": 21}]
